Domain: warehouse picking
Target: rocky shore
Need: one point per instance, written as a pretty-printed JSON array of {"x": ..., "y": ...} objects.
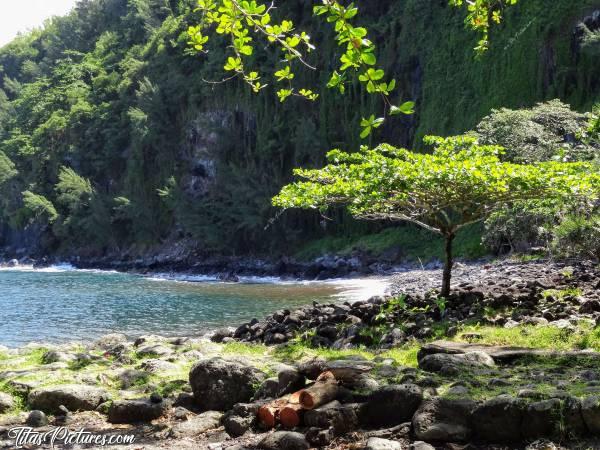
[{"x": 510, "y": 360}]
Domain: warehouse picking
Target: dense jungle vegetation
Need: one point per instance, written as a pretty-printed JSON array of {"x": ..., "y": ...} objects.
[{"x": 111, "y": 139}]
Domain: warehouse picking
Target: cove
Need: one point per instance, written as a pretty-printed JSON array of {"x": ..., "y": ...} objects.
[{"x": 60, "y": 304}]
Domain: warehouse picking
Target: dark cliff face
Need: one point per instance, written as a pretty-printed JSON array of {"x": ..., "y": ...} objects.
[{"x": 171, "y": 157}]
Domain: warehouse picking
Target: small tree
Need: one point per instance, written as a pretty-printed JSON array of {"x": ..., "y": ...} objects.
[{"x": 460, "y": 183}]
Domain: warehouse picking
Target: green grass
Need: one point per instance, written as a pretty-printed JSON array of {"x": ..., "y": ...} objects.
[
  {"x": 413, "y": 243},
  {"x": 241, "y": 348},
  {"x": 542, "y": 337},
  {"x": 561, "y": 293}
]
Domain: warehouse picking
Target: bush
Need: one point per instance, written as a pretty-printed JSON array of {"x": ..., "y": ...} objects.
[
  {"x": 519, "y": 228},
  {"x": 578, "y": 236}
]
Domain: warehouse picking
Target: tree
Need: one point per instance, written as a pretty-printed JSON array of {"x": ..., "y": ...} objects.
[
  {"x": 460, "y": 183},
  {"x": 245, "y": 21}
]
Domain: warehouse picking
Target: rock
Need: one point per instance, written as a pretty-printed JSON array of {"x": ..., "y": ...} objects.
[
  {"x": 289, "y": 381},
  {"x": 154, "y": 351},
  {"x": 222, "y": 333},
  {"x": 199, "y": 424},
  {"x": 53, "y": 356},
  {"x": 236, "y": 426},
  {"x": 420, "y": 445},
  {"x": 110, "y": 341},
  {"x": 346, "y": 370},
  {"x": 445, "y": 420},
  {"x": 311, "y": 368},
  {"x": 37, "y": 419},
  {"x": 376, "y": 443},
  {"x": 134, "y": 411},
  {"x": 74, "y": 397},
  {"x": 12, "y": 263},
  {"x": 498, "y": 419},
  {"x": 6, "y": 402},
  {"x": 287, "y": 440},
  {"x": 129, "y": 377},
  {"x": 219, "y": 384},
  {"x": 540, "y": 419},
  {"x": 590, "y": 410},
  {"x": 319, "y": 438},
  {"x": 181, "y": 413},
  {"x": 339, "y": 418},
  {"x": 448, "y": 364},
  {"x": 157, "y": 366},
  {"x": 391, "y": 405},
  {"x": 268, "y": 389}
]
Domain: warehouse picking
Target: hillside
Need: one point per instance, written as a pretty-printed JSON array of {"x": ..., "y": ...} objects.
[{"x": 112, "y": 142}]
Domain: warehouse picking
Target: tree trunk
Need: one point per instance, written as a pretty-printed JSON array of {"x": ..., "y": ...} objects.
[
  {"x": 318, "y": 394},
  {"x": 447, "y": 264}
]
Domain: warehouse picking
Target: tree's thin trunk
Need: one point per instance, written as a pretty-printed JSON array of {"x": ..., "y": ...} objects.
[{"x": 447, "y": 264}]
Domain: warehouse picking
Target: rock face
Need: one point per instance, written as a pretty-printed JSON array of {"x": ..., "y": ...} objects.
[
  {"x": 134, "y": 411},
  {"x": 444, "y": 420},
  {"x": 284, "y": 440},
  {"x": 218, "y": 384},
  {"x": 391, "y": 405},
  {"x": 73, "y": 396},
  {"x": 37, "y": 419}
]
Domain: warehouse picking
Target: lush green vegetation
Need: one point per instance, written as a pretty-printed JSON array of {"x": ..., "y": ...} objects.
[
  {"x": 111, "y": 140},
  {"x": 458, "y": 184}
]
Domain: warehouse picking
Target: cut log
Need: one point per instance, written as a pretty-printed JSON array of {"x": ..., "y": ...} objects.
[
  {"x": 326, "y": 376},
  {"x": 318, "y": 394},
  {"x": 290, "y": 415},
  {"x": 268, "y": 415}
]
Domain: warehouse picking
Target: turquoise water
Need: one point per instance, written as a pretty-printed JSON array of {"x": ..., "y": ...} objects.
[{"x": 59, "y": 305}]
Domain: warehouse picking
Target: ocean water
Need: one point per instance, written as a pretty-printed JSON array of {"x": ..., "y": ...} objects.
[{"x": 60, "y": 304}]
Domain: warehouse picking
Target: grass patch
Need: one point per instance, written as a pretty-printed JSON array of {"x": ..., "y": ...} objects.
[
  {"x": 414, "y": 244},
  {"x": 560, "y": 294},
  {"x": 294, "y": 351},
  {"x": 241, "y": 348},
  {"x": 532, "y": 336}
]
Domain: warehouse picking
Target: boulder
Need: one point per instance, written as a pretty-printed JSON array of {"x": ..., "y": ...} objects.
[
  {"x": 135, "y": 411},
  {"x": 129, "y": 377},
  {"x": 236, "y": 426},
  {"x": 221, "y": 334},
  {"x": 268, "y": 389},
  {"x": 376, "y": 443},
  {"x": 199, "y": 424},
  {"x": 6, "y": 402},
  {"x": 109, "y": 341},
  {"x": 289, "y": 381},
  {"x": 420, "y": 445},
  {"x": 287, "y": 440},
  {"x": 73, "y": 396},
  {"x": 445, "y": 420},
  {"x": 218, "y": 384},
  {"x": 449, "y": 364},
  {"x": 54, "y": 356},
  {"x": 154, "y": 350},
  {"x": 391, "y": 405},
  {"x": 37, "y": 419},
  {"x": 540, "y": 419},
  {"x": 339, "y": 418},
  {"x": 590, "y": 410},
  {"x": 499, "y": 419}
]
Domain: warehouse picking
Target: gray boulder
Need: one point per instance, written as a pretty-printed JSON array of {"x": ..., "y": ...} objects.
[
  {"x": 590, "y": 409},
  {"x": 287, "y": 440},
  {"x": 499, "y": 419},
  {"x": 37, "y": 419},
  {"x": 391, "y": 405},
  {"x": 376, "y": 443},
  {"x": 109, "y": 341},
  {"x": 199, "y": 424},
  {"x": 6, "y": 402},
  {"x": 540, "y": 419},
  {"x": 218, "y": 384},
  {"x": 73, "y": 396},
  {"x": 449, "y": 364},
  {"x": 445, "y": 420},
  {"x": 135, "y": 411}
]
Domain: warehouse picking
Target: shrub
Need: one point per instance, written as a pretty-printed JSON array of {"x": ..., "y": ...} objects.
[{"x": 578, "y": 236}]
